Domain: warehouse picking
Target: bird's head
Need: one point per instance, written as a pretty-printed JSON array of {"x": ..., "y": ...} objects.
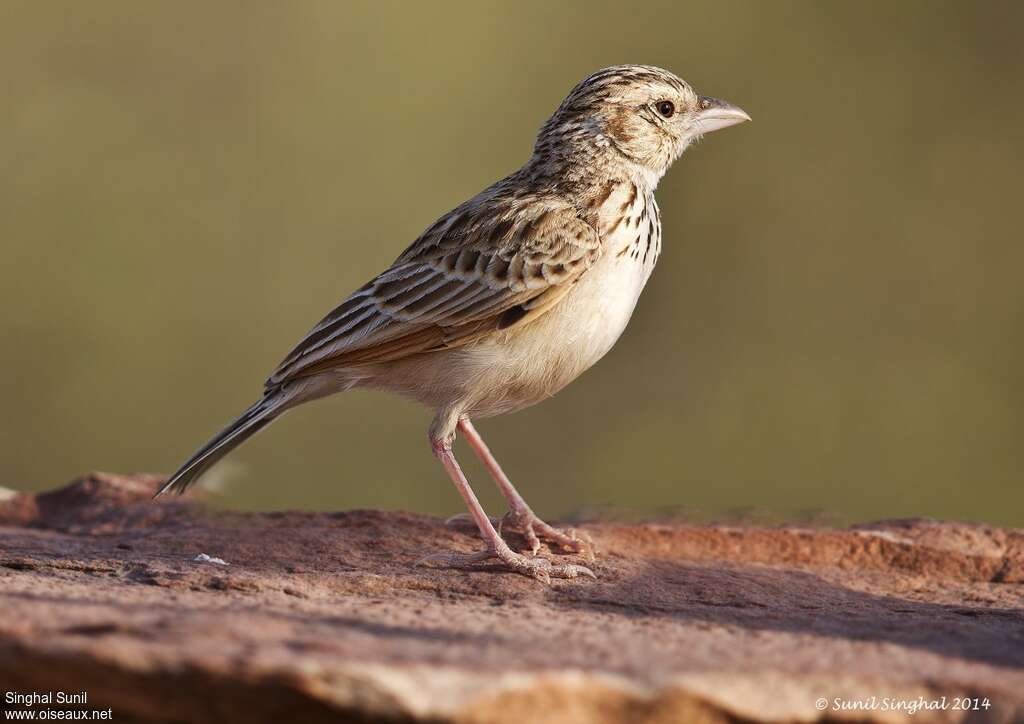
[{"x": 636, "y": 115}]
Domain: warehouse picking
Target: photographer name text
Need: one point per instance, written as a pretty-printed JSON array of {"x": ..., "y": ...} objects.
[{"x": 48, "y": 698}]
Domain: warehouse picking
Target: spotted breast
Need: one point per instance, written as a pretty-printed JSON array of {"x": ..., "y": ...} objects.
[{"x": 584, "y": 326}]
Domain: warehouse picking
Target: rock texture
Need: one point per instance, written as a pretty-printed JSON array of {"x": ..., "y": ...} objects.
[{"x": 324, "y": 617}]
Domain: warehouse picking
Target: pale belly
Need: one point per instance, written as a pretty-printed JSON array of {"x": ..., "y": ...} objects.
[{"x": 528, "y": 365}]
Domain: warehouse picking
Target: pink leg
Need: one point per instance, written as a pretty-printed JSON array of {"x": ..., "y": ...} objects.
[
  {"x": 496, "y": 547},
  {"x": 519, "y": 515}
]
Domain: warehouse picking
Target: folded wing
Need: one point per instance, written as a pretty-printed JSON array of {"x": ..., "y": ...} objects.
[{"x": 469, "y": 275}]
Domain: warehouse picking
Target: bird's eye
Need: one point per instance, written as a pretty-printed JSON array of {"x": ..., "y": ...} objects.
[{"x": 666, "y": 108}]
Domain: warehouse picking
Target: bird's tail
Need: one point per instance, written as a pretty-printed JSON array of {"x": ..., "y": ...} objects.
[{"x": 241, "y": 429}]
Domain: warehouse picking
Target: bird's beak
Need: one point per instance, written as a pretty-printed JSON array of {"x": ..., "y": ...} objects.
[{"x": 714, "y": 114}]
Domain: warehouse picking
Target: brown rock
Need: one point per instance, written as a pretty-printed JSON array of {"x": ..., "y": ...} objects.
[{"x": 324, "y": 617}]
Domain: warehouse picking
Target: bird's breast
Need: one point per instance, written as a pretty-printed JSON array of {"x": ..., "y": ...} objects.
[
  {"x": 598, "y": 310},
  {"x": 584, "y": 326}
]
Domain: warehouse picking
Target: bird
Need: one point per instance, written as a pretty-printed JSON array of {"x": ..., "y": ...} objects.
[{"x": 509, "y": 297}]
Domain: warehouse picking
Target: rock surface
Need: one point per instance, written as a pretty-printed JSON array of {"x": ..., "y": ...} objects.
[{"x": 324, "y": 617}]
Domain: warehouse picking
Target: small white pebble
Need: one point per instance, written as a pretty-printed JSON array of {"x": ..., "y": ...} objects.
[{"x": 203, "y": 558}]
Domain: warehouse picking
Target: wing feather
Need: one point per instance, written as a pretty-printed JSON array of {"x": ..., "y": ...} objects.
[{"x": 469, "y": 275}]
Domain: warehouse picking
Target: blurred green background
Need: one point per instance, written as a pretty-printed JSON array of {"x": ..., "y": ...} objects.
[{"x": 836, "y": 324}]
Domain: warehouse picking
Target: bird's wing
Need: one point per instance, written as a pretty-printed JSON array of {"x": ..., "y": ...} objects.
[{"x": 470, "y": 274}]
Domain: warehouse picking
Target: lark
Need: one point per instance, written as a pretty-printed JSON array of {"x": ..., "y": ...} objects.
[{"x": 509, "y": 297}]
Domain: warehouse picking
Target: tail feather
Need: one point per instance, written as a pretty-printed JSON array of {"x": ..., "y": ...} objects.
[{"x": 241, "y": 429}]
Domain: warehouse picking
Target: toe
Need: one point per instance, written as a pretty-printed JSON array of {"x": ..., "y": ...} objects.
[
  {"x": 532, "y": 540},
  {"x": 572, "y": 571},
  {"x": 566, "y": 539},
  {"x": 540, "y": 569}
]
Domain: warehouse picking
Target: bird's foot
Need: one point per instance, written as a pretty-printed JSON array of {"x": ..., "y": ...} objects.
[
  {"x": 534, "y": 530},
  {"x": 540, "y": 568},
  {"x": 524, "y": 521}
]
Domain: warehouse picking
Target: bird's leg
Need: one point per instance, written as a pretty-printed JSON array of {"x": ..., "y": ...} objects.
[
  {"x": 520, "y": 517},
  {"x": 539, "y": 568}
]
